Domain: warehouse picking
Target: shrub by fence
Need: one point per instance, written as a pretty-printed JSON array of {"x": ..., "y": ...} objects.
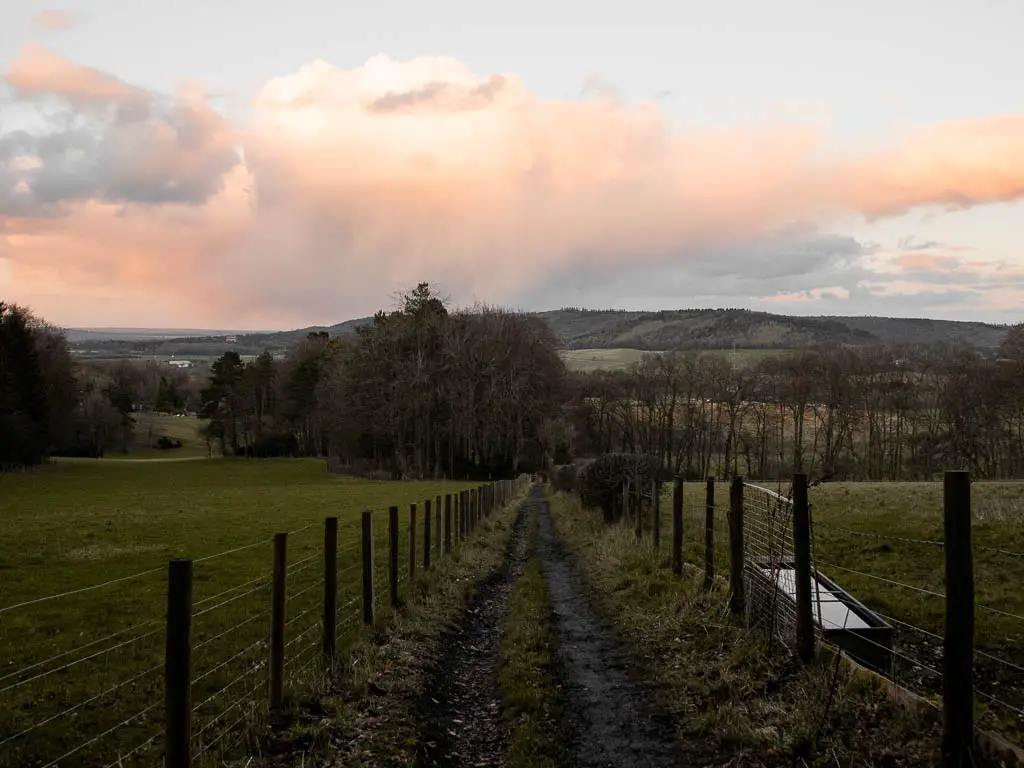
[
  {"x": 782, "y": 570},
  {"x": 184, "y": 690}
]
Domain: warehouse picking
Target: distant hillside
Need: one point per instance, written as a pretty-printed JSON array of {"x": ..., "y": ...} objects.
[
  {"x": 617, "y": 329},
  {"x": 77, "y": 335},
  {"x": 744, "y": 329}
]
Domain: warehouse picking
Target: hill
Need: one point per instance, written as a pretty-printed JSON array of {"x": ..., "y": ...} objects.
[{"x": 615, "y": 329}]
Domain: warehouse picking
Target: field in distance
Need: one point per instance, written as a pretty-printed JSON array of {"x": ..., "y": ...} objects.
[
  {"x": 618, "y": 359},
  {"x": 81, "y": 523}
]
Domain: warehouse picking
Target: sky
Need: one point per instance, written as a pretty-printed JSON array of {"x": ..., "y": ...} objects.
[{"x": 263, "y": 165}]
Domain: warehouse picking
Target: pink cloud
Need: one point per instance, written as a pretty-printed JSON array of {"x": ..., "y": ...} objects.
[
  {"x": 53, "y": 20},
  {"x": 354, "y": 183},
  {"x": 926, "y": 261},
  {"x": 39, "y": 72}
]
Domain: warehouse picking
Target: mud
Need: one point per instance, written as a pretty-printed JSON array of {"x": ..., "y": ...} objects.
[
  {"x": 612, "y": 718},
  {"x": 461, "y": 711}
]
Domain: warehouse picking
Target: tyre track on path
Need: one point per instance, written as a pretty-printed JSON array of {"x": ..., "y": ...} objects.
[{"x": 613, "y": 719}]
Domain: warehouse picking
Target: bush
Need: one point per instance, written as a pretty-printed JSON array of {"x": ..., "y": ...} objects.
[
  {"x": 566, "y": 478},
  {"x": 165, "y": 443},
  {"x": 271, "y": 446},
  {"x": 602, "y": 481}
]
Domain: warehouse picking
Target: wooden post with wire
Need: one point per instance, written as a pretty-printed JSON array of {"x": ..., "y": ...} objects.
[
  {"x": 709, "y": 533},
  {"x": 412, "y": 542},
  {"x": 656, "y": 513},
  {"x": 437, "y": 533},
  {"x": 958, "y": 643},
  {"x": 277, "y": 621},
  {"x": 638, "y": 510},
  {"x": 178, "y": 665},
  {"x": 367, "y": 542},
  {"x": 677, "y": 527},
  {"x": 393, "y": 553},
  {"x": 737, "y": 601},
  {"x": 447, "y": 523},
  {"x": 330, "y": 588},
  {"x": 802, "y": 569},
  {"x": 427, "y": 518}
]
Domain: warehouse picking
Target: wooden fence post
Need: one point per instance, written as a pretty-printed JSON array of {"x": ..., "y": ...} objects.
[
  {"x": 459, "y": 502},
  {"x": 958, "y": 645},
  {"x": 368, "y": 567},
  {"x": 393, "y": 553},
  {"x": 437, "y": 533},
  {"x": 638, "y": 510},
  {"x": 412, "y": 542},
  {"x": 426, "y": 534},
  {"x": 709, "y": 533},
  {"x": 277, "y": 622},
  {"x": 447, "y": 523},
  {"x": 656, "y": 513},
  {"x": 330, "y": 587},
  {"x": 677, "y": 527},
  {"x": 802, "y": 569},
  {"x": 178, "y": 665},
  {"x": 736, "y": 554}
]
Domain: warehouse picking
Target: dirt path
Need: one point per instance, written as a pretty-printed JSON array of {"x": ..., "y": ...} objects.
[
  {"x": 612, "y": 718},
  {"x": 461, "y": 712}
]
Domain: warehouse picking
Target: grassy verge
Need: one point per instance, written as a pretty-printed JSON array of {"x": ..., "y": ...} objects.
[
  {"x": 736, "y": 700},
  {"x": 531, "y": 696},
  {"x": 368, "y": 716}
]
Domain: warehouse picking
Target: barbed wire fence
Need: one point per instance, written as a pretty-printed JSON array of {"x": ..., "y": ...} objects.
[{"x": 76, "y": 697}]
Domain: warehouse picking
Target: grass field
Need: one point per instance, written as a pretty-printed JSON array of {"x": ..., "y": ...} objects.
[
  {"x": 151, "y": 426},
  {"x": 619, "y": 359},
  {"x": 71, "y": 668},
  {"x": 878, "y": 541}
]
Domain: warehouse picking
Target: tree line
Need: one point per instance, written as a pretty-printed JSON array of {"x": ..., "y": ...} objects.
[
  {"x": 877, "y": 413},
  {"x": 427, "y": 391},
  {"x": 421, "y": 391},
  {"x": 51, "y": 405}
]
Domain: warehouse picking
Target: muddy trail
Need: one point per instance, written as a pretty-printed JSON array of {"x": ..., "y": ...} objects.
[
  {"x": 612, "y": 717},
  {"x": 461, "y": 712},
  {"x": 609, "y": 717}
]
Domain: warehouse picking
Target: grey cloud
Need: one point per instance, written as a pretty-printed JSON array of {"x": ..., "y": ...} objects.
[
  {"x": 755, "y": 274},
  {"x": 907, "y": 244},
  {"x": 177, "y": 155},
  {"x": 441, "y": 95}
]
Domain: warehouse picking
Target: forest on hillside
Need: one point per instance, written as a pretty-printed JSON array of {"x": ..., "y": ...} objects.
[{"x": 426, "y": 391}]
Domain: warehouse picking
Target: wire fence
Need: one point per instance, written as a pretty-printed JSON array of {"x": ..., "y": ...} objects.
[
  {"x": 98, "y": 695},
  {"x": 880, "y": 597}
]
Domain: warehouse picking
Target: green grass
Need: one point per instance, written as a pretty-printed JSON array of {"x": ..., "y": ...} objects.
[
  {"x": 531, "y": 697},
  {"x": 908, "y": 511},
  {"x": 77, "y": 524},
  {"x": 151, "y": 426},
  {"x": 612, "y": 359},
  {"x": 734, "y": 699}
]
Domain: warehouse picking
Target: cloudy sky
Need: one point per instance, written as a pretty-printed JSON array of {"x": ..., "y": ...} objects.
[{"x": 223, "y": 164}]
